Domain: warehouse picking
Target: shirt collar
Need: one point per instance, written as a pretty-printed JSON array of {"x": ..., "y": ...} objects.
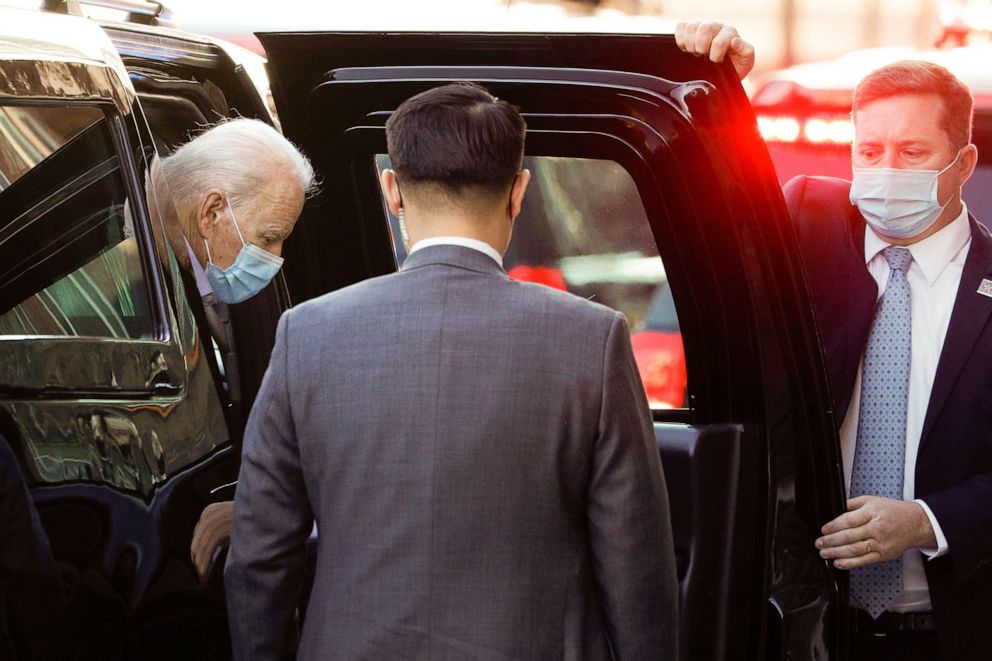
[
  {"x": 202, "y": 281},
  {"x": 933, "y": 253},
  {"x": 462, "y": 241}
]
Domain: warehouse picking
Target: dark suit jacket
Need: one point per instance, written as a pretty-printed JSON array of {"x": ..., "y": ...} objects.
[
  {"x": 954, "y": 466},
  {"x": 480, "y": 460}
]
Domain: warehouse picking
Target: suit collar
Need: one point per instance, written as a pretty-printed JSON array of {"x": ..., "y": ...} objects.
[
  {"x": 859, "y": 309},
  {"x": 464, "y": 241},
  {"x": 968, "y": 318},
  {"x": 857, "y": 226},
  {"x": 456, "y": 256}
]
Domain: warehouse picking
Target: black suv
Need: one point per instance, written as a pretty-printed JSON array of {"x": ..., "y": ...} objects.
[{"x": 649, "y": 172}]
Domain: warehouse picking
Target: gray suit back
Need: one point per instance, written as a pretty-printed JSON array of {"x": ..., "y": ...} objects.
[{"x": 479, "y": 458}]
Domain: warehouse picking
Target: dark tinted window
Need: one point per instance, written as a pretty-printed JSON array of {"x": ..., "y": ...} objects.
[{"x": 69, "y": 261}]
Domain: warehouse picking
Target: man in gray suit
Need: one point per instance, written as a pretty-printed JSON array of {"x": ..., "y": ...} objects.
[{"x": 478, "y": 452}]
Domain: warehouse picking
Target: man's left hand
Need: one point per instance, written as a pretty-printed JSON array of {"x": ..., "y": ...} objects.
[
  {"x": 717, "y": 42},
  {"x": 875, "y": 530},
  {"x": 212, "y": 532}
]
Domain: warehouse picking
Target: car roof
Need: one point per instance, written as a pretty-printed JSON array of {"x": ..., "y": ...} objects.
[
  {"x": 59, "y": 49},
  {"x": 842, "y": 74},
  {"x": 30, "y": 34}
]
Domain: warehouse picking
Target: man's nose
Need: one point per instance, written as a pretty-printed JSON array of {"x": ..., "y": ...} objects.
[{"x": 890, "y": 159}]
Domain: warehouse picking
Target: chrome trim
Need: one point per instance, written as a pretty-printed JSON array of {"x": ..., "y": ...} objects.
[{"x": 133, "y": 6}]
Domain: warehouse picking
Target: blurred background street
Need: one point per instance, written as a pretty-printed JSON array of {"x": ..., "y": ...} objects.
[{"x": 784, "y": 31}]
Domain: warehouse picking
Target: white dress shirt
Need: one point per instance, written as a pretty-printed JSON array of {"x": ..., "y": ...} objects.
[
  {"x": 933, "y": 276},
  {"x": 462, "y": 241}
]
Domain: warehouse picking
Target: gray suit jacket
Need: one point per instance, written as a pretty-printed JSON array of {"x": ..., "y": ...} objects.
[{"x": 479, "y": 457}]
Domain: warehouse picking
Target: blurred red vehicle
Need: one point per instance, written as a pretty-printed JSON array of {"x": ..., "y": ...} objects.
[
  {"x": 659, "y": 353},
  {"x": 542, "y": 275}
]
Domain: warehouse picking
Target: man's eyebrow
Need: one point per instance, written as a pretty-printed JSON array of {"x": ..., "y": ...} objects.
[{"x": 909, "y": 142}]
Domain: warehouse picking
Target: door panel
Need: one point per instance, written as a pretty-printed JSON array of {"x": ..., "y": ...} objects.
[
  {"x": 713, "y": 504},
  {"x": 104, "y": 393},
  {"x": 82, "y": 311},
  {"x": 756, "y": 474}
]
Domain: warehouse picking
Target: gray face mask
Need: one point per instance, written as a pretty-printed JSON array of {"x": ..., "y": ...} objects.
[
  {"x": 251, "y": 271},
  {"x": 898, "y": 203}
]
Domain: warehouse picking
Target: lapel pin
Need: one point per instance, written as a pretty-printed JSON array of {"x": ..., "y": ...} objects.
[{"x": 985, "y": 289}]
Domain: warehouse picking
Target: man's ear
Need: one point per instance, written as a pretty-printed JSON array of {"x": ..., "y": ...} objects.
[
  {"x": 966, "y": 163},
  {"x": 391, "y": 191},
  {"x": 209, "y": 212},
  {"x": 517, "y": 192}
]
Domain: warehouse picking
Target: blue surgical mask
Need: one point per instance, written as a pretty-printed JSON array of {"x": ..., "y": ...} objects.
[
  {"x": 251, "y": 271},
  {"x": 898, "y": 203}
]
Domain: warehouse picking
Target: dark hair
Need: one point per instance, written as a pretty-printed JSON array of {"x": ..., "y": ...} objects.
[
  {"x": 455, "y": 137},
  {"x": 920, "y": 77}
]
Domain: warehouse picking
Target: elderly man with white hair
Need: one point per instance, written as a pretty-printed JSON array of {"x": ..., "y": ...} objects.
[{"x": 236, "y": 191}]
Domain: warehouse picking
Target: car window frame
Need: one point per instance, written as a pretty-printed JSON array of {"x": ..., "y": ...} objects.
[{"x": 160, "y": 348}]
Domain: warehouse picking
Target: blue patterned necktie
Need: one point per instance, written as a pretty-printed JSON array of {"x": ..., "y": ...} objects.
[{"x": 880, "y": 456}]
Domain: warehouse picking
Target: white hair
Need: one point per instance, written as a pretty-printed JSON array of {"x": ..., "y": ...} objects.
[{"x": 237, "y": 156}]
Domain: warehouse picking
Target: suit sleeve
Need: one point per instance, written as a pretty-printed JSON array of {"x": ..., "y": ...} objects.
[
  {"x": 272, "y": 520},
  {"x": 965, "y": 517},
  {"x": 629, "y": 521}
]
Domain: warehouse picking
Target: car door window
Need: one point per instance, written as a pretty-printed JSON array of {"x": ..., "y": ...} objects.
[
  {"x": 69, "y": 261},
  {"x": 583, "y": 229}
]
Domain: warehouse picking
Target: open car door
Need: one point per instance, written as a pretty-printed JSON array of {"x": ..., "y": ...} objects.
[{"x": 651, "y": 186}]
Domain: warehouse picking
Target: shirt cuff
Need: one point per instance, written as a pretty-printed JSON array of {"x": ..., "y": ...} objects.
[{"x": 937, "y": 532}]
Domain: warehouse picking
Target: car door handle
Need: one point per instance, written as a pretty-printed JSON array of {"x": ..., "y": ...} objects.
[{"x": 165, "y": 388}]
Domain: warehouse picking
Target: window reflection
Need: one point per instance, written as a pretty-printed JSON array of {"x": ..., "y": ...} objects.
[
  {"x": 30, "y": 134},
  {"x": 69, "y": 261}
]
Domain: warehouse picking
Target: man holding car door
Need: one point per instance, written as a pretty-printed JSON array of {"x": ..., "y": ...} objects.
[{"x": 901, "y": 277}]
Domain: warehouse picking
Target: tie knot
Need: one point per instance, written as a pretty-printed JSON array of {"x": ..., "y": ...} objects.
[{"x": 898, "y": 258}]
